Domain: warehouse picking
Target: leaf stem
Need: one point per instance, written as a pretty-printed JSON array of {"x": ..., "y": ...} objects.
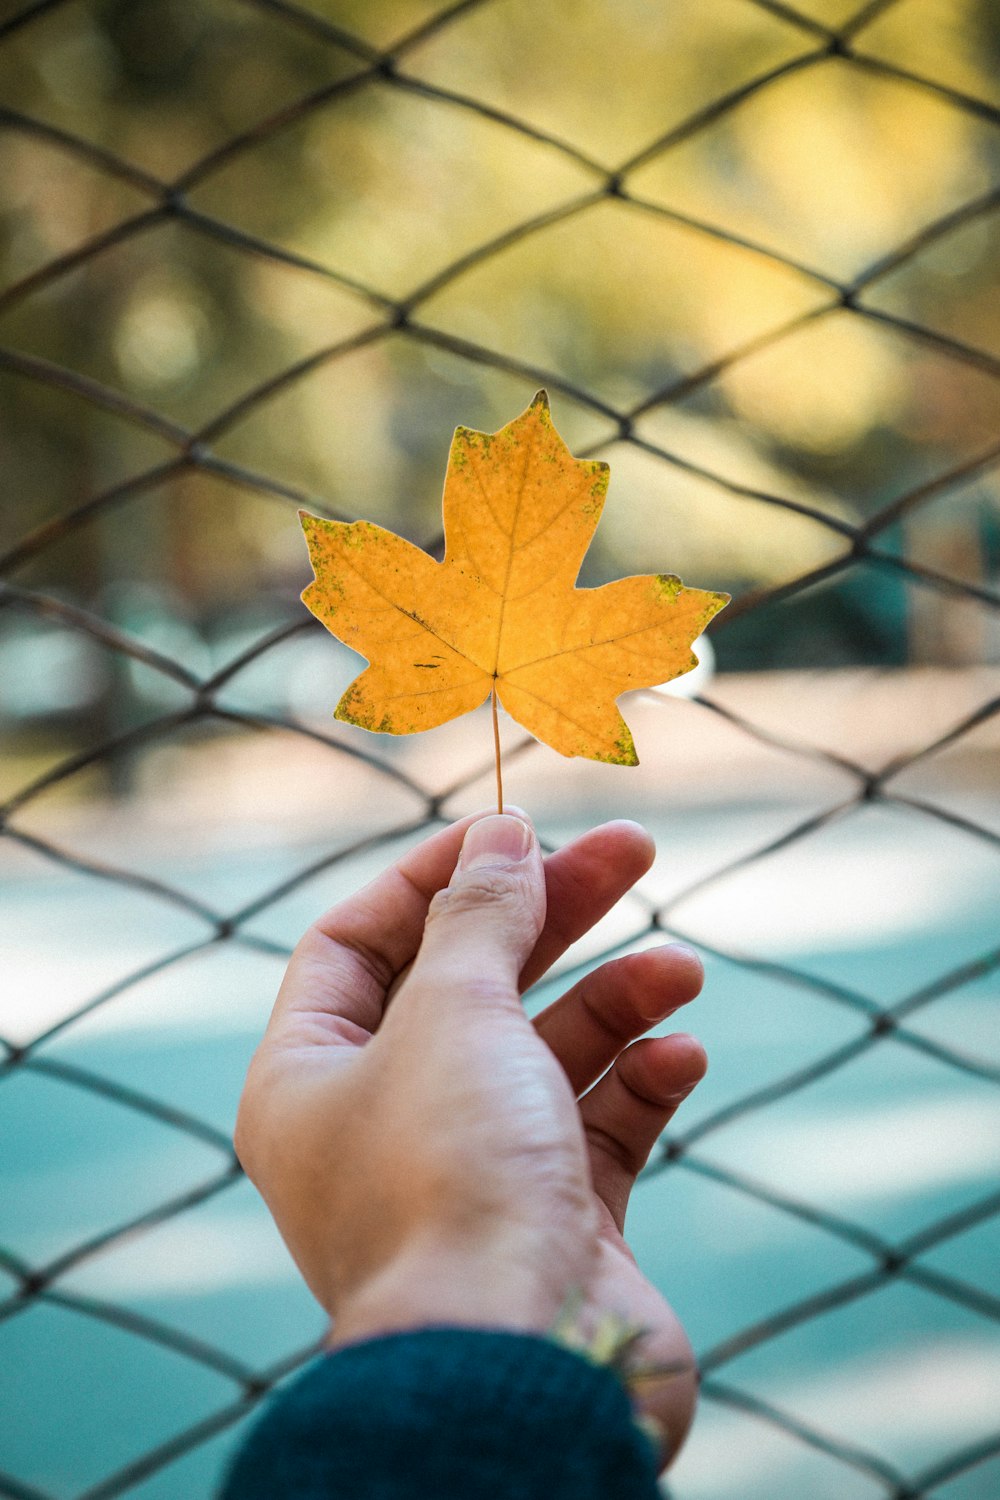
[{"x": 496, "y": 745}]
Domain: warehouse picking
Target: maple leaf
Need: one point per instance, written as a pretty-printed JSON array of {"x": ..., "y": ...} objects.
[{"x": 502, "y": 613}]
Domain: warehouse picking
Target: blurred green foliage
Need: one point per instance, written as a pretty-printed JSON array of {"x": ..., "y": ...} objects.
[{"x": 685, "y": 317}]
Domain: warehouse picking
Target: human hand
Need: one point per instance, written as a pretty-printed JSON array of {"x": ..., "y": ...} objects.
[{"x": 431, "y": 1156}]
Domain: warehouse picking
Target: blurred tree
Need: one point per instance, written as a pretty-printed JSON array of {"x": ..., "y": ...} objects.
[{"x": 236, "y": 221}]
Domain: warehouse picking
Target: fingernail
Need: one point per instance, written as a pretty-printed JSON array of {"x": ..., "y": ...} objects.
[
  {"x": 657, "y": 1010},
  {"x": 494, "y": 842}
]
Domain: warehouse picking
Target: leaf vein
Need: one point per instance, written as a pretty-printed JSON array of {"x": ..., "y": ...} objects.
[
  {"x": 408, "y": 613},
  {"x": 528, "y": 450},
  {"x": 476, "y": 568},
  {"x": 583, "y": 728},
  {"x": 553, "y": 519},
  {"x": 486, "y": 499},
  {"x": 454, "y": 687},
  {"x": 612, "y": 640}
]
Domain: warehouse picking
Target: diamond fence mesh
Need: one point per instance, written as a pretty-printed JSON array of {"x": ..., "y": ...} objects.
[{"x": 206, "y": 323}]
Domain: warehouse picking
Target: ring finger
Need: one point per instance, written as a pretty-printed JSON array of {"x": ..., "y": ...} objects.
[{"x": 593, "y": 1022}]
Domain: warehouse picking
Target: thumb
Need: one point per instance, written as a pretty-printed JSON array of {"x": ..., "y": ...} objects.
[{"x": 482, "y": 927}]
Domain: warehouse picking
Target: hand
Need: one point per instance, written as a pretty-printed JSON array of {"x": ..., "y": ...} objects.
[{"x": 430, "y": 1155}]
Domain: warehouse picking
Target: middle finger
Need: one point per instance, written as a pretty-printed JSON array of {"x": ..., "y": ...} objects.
[
  {"x": 583, "y": 881},
  {"x": 590, "y": 1025}
]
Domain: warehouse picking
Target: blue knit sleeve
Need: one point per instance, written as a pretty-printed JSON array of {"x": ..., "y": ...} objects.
[{"x": 448, "y": 1412}]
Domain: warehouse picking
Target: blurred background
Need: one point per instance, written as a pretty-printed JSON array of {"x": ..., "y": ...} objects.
[{"x": 264, "y": 254}]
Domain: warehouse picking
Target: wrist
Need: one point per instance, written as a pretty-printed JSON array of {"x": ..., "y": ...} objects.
[{"x": 448, "y": 1287}]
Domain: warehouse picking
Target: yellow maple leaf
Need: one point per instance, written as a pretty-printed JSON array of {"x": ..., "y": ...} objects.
[{"x": 502, "y": 613}]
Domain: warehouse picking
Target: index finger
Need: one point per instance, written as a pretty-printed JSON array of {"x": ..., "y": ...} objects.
[{"x": 583, "y": 881}]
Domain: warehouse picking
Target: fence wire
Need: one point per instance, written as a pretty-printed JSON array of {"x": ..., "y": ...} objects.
[{"x": 399, "y": 318}]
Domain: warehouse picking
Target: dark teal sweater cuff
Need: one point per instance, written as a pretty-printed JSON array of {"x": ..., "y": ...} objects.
[{"x": 448, "y": 1411}]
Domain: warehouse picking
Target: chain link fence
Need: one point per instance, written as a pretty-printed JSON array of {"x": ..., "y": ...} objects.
[{"x": 126, "y": 488}]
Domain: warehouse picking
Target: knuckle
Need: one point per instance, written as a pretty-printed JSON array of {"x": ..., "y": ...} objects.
[
  {"x": 247, "y": 1132},
  {"x": 243, "y": 1140},
  {"x": 480, "y": 890},
  {"x": 614, "y": 1149}
]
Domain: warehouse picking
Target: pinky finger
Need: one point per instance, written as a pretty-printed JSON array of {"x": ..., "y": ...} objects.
[{"x": 630, "y": 1107}]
